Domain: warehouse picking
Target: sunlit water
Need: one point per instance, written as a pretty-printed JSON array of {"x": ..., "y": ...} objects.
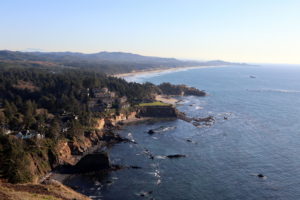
[{"x": 261, "y": 135}]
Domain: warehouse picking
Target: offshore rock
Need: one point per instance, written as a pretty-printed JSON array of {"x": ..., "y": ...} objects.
[
  {"x": 176, "y": 156},
  {"x": 150, "y": 132}
]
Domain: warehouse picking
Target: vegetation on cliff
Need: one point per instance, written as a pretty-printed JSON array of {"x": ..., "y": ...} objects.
[
  {"x": 50, "y": 191},
  {"x": 38, "y": 108},
  {"x": 41, "y": 107},
  {"x": 155, "y": 103},
  {"x": 183, "y": 90}
]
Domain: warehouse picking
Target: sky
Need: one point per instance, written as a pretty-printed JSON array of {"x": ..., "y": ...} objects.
[{"x": 261, "y": 31}]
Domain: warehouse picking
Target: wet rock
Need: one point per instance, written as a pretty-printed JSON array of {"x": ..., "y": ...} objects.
[
  {"x": 150, "y": 132},
  {"x": 205, "y": 119},
  {"x": 150, "y": 155},
  {"x": 191, "y": 141},
  {"x": 135, "y": 167},
  {"x": 116, "y": 167},
  {"x": 144, "y": 194},
  {"x": 176, "y": 156},
  {"x": 111, "y": 137},
  {"x": 260, "y": 176},
  {"x": 197, "y": 124}
]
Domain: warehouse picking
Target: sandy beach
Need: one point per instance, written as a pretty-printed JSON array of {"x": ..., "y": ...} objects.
[{"x": 158, "y": 70}]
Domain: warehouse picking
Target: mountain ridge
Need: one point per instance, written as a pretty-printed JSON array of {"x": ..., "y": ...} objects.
[{"x": 104, "y": 61}]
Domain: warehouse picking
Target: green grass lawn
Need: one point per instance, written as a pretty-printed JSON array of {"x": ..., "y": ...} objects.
[{"x": 156, "y": 103}]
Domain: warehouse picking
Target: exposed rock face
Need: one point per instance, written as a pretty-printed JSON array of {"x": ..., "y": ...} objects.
[
  {"x": 93, "y": 162},
  {"x": 100, "y": 124},
  {"x": 157, "y": 111},
  {"x": 64, "y": 154},
  {"x": 69, "y": 152}
]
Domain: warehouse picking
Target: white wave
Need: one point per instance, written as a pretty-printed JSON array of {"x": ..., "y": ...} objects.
[
  {"x": 95, "y": 197},
  {"x": 97, "y": 183},
  {"x": 199, "y": 108},
  {"x": 164, "y": 129},
  {"x": 129, "y": 135},
  {"x": 154, "y": 165},
  {"x": 276, "y": 90},
  {"x": 160, "y": 157},
  {"x": 158, "y": 182}
]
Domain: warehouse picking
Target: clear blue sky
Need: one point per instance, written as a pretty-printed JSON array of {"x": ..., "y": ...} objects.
[{"x": 233, "y": 30}]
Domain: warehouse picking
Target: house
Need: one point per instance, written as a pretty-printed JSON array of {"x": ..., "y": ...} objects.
[
  {"x": 28, "y": 134},
  {"x": 123, "y": 99},
  {"x": 103, "y": 93},
  {"x": 85, "y": 92},
  {"x": 107, "y": 101},
  {"x": 95, "y": 105},
  {"x": 123, "y": 103}
]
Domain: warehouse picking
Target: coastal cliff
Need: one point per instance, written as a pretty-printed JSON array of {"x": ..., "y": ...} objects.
[
  {"x": 70, "y": 152},
  {"x": 162, "y": 111}
]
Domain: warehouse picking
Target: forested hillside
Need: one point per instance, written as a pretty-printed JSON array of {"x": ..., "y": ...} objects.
[
  {"x": 105, "y": 62},
  {"x": 40, "y": 107}
]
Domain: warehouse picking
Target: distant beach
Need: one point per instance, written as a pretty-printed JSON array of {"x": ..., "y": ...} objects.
[{"x": 159, "y": 70}]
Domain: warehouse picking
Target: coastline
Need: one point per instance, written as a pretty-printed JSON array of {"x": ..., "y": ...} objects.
[
  {"x": 168, "y": 99},
  {"x": 161, "y": 70}
]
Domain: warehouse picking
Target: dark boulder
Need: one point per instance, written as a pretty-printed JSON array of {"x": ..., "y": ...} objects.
[
  {"x": 260, "y": 176},
  {"x": 176, "y": 156},
  {"x": 93, "y": 162},
  {"x": 150, "y": 132},
  {"x": 135, "y": 167}
]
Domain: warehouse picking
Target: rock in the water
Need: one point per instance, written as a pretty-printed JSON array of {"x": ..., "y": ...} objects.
[
  {"x": 93, "y": 162},
  {"x": 260, "y": 176},
  {"x": 176, "y": 156},
  {"x": 205, "y": 119},
  {"x": 135, "y": 167},
  {"x": 144, "y": 194},
  {"x": 151, "y": 132}
]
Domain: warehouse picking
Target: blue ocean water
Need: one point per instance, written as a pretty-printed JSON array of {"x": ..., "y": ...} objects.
[{"x": 257, "y": 130}]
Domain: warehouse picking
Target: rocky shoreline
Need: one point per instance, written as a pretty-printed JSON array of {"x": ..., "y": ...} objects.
[{"x": 89, "y": 155}]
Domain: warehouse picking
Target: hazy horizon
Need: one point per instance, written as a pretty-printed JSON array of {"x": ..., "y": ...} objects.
[{"x": 235, "y": 31}]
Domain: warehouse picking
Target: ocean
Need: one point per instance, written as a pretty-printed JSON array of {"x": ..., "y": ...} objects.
[{"x": 256, "y": 131}]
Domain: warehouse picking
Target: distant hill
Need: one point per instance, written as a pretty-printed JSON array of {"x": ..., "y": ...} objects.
[{"x": 106, "y": 62}]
